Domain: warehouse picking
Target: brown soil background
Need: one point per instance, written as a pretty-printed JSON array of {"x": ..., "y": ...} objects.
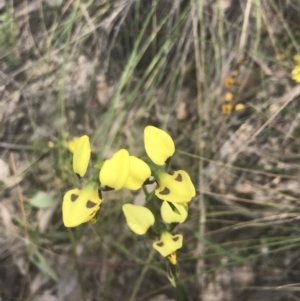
[{"x": 76, "y": 67}]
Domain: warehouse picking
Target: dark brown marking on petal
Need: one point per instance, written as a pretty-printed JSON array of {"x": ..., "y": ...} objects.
[
  {"x": 90, "y": 204},
  {"x": 165, "y": 191},
  {"x": 74, "y": 197},
  {"x": 179, "y": 178},
  {"x": 160, "y": 244},
  {"x": 175, "y": 238},
  {"x": 100, "y": 194},
  {"x": 107, "y": 188},
  {"x": 174, "y": 209}
]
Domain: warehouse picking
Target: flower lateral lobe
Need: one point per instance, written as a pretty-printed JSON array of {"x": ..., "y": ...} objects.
[
  {"x": 139, "y": 219},
  {"x": 115, "y": 171},
  {"x": 173, "y": 213},
  {"x": 159, "y": 145},
  {"x": 82, "y": 155},
  {"x": 80, "y": 206},
  {"x": 176, "y": 188},
  {"x": 139, "y": 172},
  {"x": 168, "y": 244}
]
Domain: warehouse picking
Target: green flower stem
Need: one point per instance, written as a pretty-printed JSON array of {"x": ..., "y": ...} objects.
[{"x": 139, "y": 281}]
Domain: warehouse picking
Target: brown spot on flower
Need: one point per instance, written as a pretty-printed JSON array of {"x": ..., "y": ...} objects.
[
  {"x": 90, "y": 204},
  {"x": 165, "y": 191},
  {"x": 175, "y": 238},
  {"x": 160, "y": 244},
  {"x": 179, "y": 178},
  {"x": 74, "y": 197}
]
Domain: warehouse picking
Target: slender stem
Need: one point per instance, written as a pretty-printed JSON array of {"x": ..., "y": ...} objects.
[
  {"x": 139, "y": 281},
  {"x": 80, "y": 276}
]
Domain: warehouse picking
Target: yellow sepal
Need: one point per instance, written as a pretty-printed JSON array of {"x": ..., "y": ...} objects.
[
  {"x": 139, "y": 219},
  {"x": 82, "y": 155},
  {"x": 80, "y": 206},
  {"x": 115, "y": 171},
  {"x": 139, "y": 172},
  {"x": 168, "y": 244},
  {"x": 178, "y": 214},
  {"x": 158, "y": 144},
  {"x": 176, "y": 188}
]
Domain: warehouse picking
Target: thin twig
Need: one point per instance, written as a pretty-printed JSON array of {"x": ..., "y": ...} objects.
[
  {"x": 12, "y": 146},
  {"x": 139, "y": 281}
]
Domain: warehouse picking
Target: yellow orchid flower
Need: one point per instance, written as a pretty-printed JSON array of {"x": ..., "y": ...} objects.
[
  {"x": 80, "y": 206},
  {"x": 115, "y": 171},
  {"x": 139, "y": 219},
  {"x": 168, "y": 244},
  {"x": 158, "y": 144},
  {"x": 139, "y": 172},
  {"x": 176, "y": 188},
  {"x": 173, "y": 214},
  {"x": 82, "y": 155}
]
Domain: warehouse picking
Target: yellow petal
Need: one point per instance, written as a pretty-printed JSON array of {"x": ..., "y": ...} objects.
[
  {"x": 295, "y": 74},
  {"x": 50, "y": 144},
  {"x": 82, "y": 155},
  {"x": 176, "y": 188},
  {"x": 139, "y": 172},
  {"x": 227, "y": 109},
  {"x": 297, "y": 59},
  {"x": 168, "y": 243},
  {"x": 80, "y": 206},
  {"x": 177, "y": 214},
  {"x": 115, "y": 171},
  {"x": 72, "y": 144},
  {"x": 296, "y": 70},
  {"x": 239, "y": 107},
  {"x": 139, "y": 219},
  {"x": 228, "y": 96},
  {"x": 228, "y": 82},
  {"x": 172, "y": 258},
  {"x": 158, "y": 144}
]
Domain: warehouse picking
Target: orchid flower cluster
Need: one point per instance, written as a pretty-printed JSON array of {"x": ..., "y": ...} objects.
[{"x": 166, "y": 206}]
